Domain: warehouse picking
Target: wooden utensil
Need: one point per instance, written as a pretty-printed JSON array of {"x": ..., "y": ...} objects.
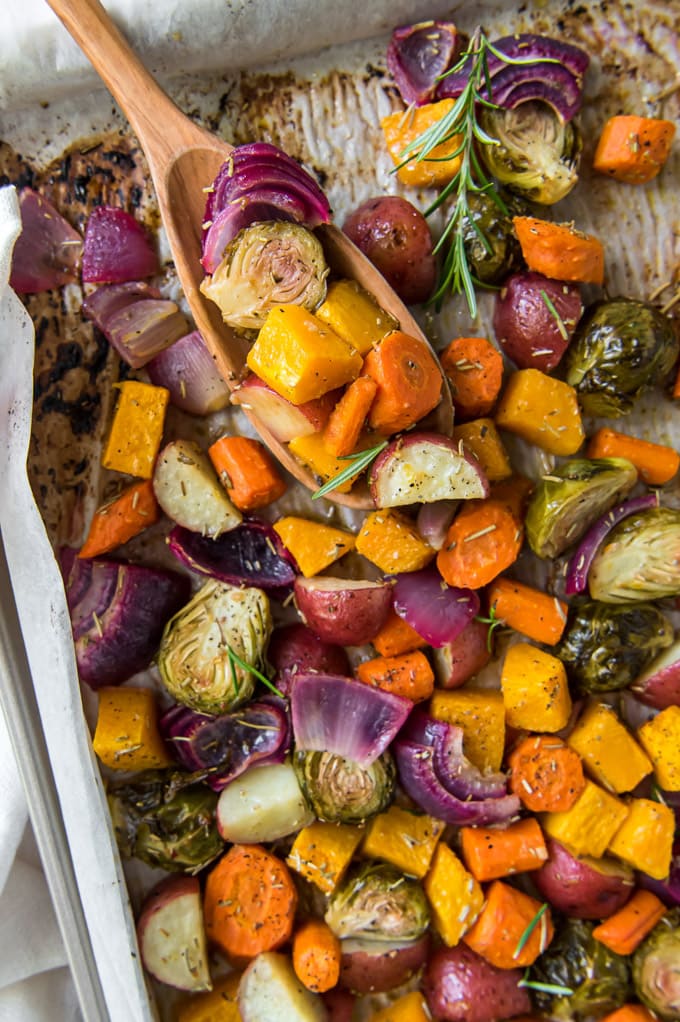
[{"x": 184, "y": 159}]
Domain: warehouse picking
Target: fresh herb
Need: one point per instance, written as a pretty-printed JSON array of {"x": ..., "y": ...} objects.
[
  {"x": 493, "y": 622},
  {"x": 546, "y": 988},
  {"x": 357, "y": 463},
  {"x": 235, "y": 660},
  {"x": 550, "y": 306},
  {"x": 521, "y": 943}
]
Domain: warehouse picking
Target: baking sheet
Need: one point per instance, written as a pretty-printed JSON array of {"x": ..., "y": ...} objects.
[{"x": 323, "y": 108}]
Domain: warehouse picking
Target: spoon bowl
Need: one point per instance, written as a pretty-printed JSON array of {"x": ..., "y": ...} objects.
[{"x": 184, "y": 160}]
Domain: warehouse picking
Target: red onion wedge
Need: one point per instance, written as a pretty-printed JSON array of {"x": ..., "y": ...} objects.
[
  {"x": 251, "y": 554},
  {"x": 187, "y": 370},
  {"x": 135, "y": 322},
  {"x": 418, "y": 54},
  {"x": 48, "y": 251},
  {"x": 339, "y": 715},
  {"x": 116, "y": 249},
  {"x": 434, "y": 520},
  {"x": 437, "y": 611},
  {"x": 584, "y": 555},
  {"x": 294, "y": 649}
]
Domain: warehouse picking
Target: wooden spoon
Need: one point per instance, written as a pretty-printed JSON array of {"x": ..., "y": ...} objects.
[{"x": 184, "y": 160}]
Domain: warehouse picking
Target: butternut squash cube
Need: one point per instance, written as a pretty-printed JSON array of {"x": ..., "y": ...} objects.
[
  {"x": 403, "y": 127},
  {"x": 126, "y": 736},
  {"x": 300, "y": 357},
  {"x": 405, "y": 839},
  {"x": 609, "y": 752},
  {"x": 660, "y": 738},
  {"x": 455, "y": 897},
  {"x": 482, "y": 438},
  {"x": 322, "y": 852},
  {"x": 392, "y": 542},
  {"x": 218, "y": 1005},
  {"x": 542, "y": 410},
  {"x": 590, "y": 824},
  {"x": 353, "y": 313},
  {"x": 481, "y": 715},
  {"x": 409, "y": 1008},
  {"x": 645, "y": 838},
  {"x": 535, "y": 689},
  {"x": 313, "y": 452},
  {"x": 313, "y": 545},
  {"x": 137, "y": 429}
]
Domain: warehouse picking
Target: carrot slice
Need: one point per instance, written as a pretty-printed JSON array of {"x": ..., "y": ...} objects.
[
  {"x": 346, "y": 421},
  {"x": 409, "y": 675},
  {"x": 545, "y": 774},
  {"x": 630, "y": 1013},
  {"x": 656, "y": 463},
  {"x": 509, "y": 932},
  {"x": 250, "y": 902},
  {"x": 490, "y": 854},
  {"x": 408, "y": 379},
  {"x": 474, "y": 368},
  {"x": 246, "y": 471},
  {"x": 121, "y": 519},
  {"x": 633, "y": 149},
  {"x": 559, "y": 250},
  {"x": 540, "y": 616},
  {"x": 623, "y": 931},
  {"x": 484, "y": 539},
  {"x": 397, "y": 636},
  {"x": 316, "y": 956}
]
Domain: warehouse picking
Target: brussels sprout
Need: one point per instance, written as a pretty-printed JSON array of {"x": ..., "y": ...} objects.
[
  {"x": 491, "y": 245},
  {"x": 656, "y": 968},
  {"x": 639, "y": 560},
  {"x": 575, "y": 960},
  {"x": 194, "y": 658},
  {"x": 341, "y": 791},
  {"x": 538, "y": 153},
  {"x": 377, "y": 902},
  {"x": 565, "y": 503},
  {"x": 606, "y": 647},
  {"x": 166, "y": 819},
  {"x": 267, "y": 264},
  {"x": 621, "y": 347}
]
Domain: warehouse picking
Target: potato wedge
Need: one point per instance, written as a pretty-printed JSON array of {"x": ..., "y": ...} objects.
[{"x": 420, "y": 468}]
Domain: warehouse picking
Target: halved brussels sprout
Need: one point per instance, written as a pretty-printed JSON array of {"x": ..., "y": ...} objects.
[
  {"x": 538, "y": 153},
  {"x": 576, "y": 961},
  {"x": 200, "y": 644},
  {"x": 377, "y": 902},
  {"x": 639, "y": 560},
  {"x": 621, "y": 347},
  {"x": 565, "y": 503},
  {"x": 491, "y": 245},
  {"x": 267, "y": 264},
  {"x": 167, "y": 820},
  {"x": 605, "y": 647},
  {"x": 656, "y": 968},
  {"x": 341, "y": 791}
]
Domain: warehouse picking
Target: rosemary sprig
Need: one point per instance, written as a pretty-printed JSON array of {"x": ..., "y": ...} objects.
[
  {"x": 546, "y": 988},
  {"x": 521, "y": 943},
  {"x": 236, "y": 660},
  {"x": 357, "y": 463},
  {"x": 550, "y": 306},
  {"x": 493, "y": 622}
]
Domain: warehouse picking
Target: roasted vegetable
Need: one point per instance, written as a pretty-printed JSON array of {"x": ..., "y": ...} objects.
[
  {"x": 166, "y": 820},
  {"x": 621, "y": 347},
  {"x": 597, "y": 978},
  {"x": 377, "y": 902},
  {"x": 571, "y": 498},
  {"x": 605, "y": 647},
  {"x": 340, "y": 790},
  {"x": 538, "y": 152},
  {"x": 640, "y": 559},
  {"x": 491, "y": 244},
  {"x": 267, "y": 264},
  {"x": 202, "y": 644},
  {"x": 656, "y": 968}
]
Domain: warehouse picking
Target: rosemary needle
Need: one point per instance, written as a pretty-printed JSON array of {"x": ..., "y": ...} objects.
[
  {"x": 235, "y": 659},
  {"x": 357, "y": 463}
]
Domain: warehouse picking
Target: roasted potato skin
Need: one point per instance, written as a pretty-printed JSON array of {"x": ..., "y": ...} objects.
[{"x": 580, "y": 888}]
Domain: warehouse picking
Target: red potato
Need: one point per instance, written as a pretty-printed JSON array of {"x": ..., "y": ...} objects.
[
  {"x": 659, "y": 684},
  {"x": 583, "y": 888},
  {"x": 281, "y": 417},
  {"x": 340, "y": 1005},
  {"x": 420, "y": 468},
  {"x": 395, "y": 236},
  {"x": 295, "y": 647},
  {"x": 348, "y": 612},
  {"x": 270, "y": 991},
  {"x": 458, "y": 661},
  {"x": 460, "y": 986},
  {"x": 535, "y": 318},
  {"x": 171, "y": 935},
  {"x": 372, "y": 966}
]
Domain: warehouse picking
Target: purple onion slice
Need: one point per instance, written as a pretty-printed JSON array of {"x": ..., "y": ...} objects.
[
  {"x": 252, "y": 554},
  {"x": 437, "y": 611},
  {"x": 418, "y": 54},
  {"x": 188, "y": 371},
  {"x": 48, "y": 251},
  {"x": 143, "y": 329},
  {"x": 232, "y": 219},
  {"x": 116, "y": 248}
]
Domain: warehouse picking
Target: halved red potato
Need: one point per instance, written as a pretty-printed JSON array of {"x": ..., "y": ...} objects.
[
  {"x": 461, "y": 986},
  {"x": 375, "y": 966},
  {"x": 282, "y": 418},
  {"x": 347, "y": 612},
  {"x": 458, "y": 661},
  {"x": 659, "y": 684},
  {"x": 420, "y": 468},
  {"x": 583, "y": 888},
  {"x": 294, "y": 648},
  {"x": 270, "y": 991},
  {"x": 171, "y": 935}
]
